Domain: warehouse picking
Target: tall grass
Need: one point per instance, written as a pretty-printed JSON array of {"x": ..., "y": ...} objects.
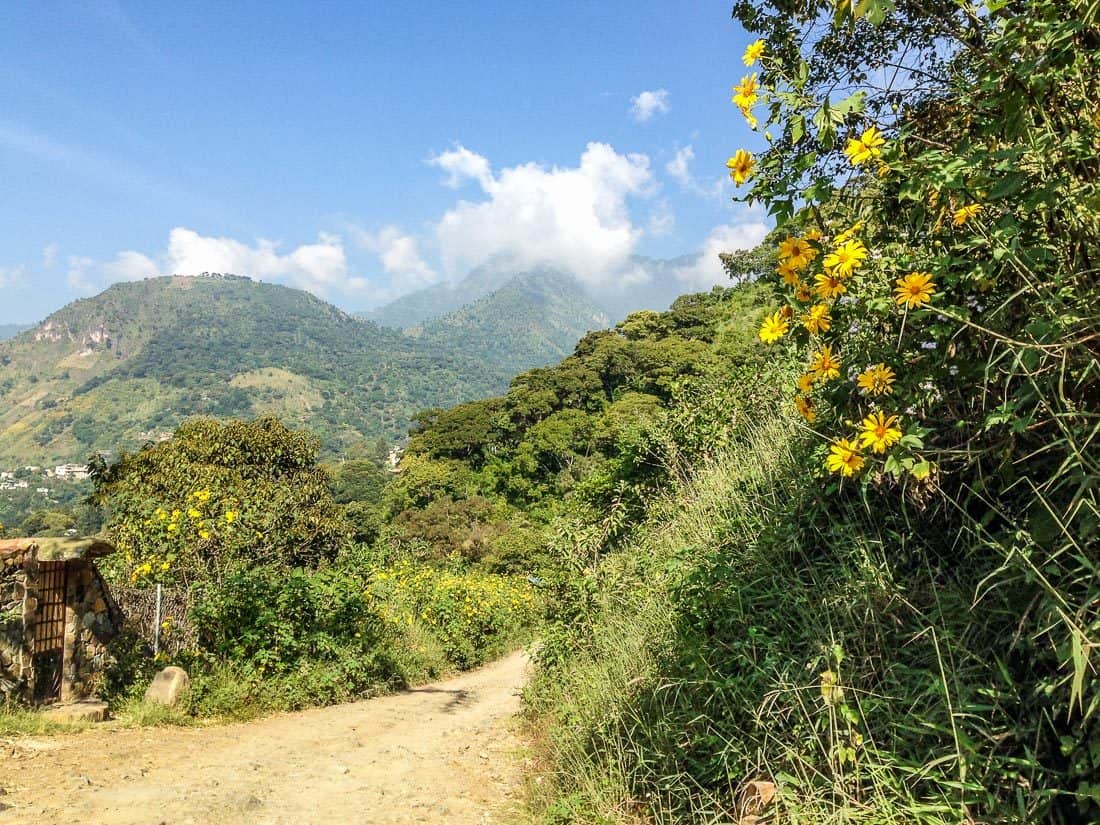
[{"x": 852, "y": 655}]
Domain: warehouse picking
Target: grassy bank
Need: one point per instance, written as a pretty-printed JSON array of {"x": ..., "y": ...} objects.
[{"x": 867, "y": 665}]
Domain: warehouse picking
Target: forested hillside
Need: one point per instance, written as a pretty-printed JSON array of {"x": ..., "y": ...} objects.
[
  {"x": 532, "y": 319},
  {"x": 109, "y": 372}
]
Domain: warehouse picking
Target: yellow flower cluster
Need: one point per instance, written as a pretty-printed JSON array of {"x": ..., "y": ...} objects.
[
  {"x": 866, "y": 147},
  {"x": 841, "y": 259},
  {"x": 470, "y": 603}
]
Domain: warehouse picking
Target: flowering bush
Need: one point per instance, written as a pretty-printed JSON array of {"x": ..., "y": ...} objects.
[
  {"x": 934, "y": 172},
  {"x": 473, "y": 614},
  {"x": 940, "y": 225}
]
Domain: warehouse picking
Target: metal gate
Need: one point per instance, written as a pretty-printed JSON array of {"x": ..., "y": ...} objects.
[{"x": 49, "y": 632}]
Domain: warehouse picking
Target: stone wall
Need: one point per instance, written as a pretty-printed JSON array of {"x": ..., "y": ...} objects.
[
  {"x": 91, "y": 622},
  {"x": 17, "y": 606},
  {"x": 90, "y": 626}
]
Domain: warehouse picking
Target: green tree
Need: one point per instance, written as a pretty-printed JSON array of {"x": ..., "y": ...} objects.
[{"x": 219, "y": 496}]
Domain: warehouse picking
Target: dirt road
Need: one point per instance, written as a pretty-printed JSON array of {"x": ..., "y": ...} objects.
[{"x": 442, "y": 753}]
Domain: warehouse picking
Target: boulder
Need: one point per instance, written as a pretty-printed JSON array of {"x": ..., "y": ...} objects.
[
  {"x": 168, "y": 687},
  {"x": 77, "y": 712}
]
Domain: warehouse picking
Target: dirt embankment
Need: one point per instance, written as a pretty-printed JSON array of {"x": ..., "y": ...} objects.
[{"x": 442, "y": 753}]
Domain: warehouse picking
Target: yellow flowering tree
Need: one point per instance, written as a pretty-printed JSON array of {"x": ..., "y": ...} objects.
[
  {"x": 934, "y": 171},
  {"x": 917, "y": 248},
  {"x": 219, "y": 496}
]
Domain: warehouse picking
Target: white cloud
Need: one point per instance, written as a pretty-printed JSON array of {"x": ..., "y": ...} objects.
[
  {"x": 320, "y": 267},
  {"x": 399, "y": 254},
  {"x": 131, "y": 266},
  {"x": 706, "y": 270},
  {"x": 77, "y": 275},
  {"x": 661, "y": 220},
  {"x": 49, "y": 255},
  {"x": 679, "y": 169},
  {"x": 461, "y": 165},
  {"x": 575, "y": 218},
  {"x": 649, "y": 103}
]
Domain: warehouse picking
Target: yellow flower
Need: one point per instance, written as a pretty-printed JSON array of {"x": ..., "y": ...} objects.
[
  {"x": 817, "y": 320},
  {"x": 879, "y": 431},
  {"x": 201, "y": 495},
  {"x": 204, "y": 534},
  {"x": 812, "y": 235},
  {"x": 805, "y": 408},
  {"x": 965, "y": 213},
  {"x": 825, "y": 364},
  {"x": 876, "y": 379},
  {"x": 773, "y": 328},
  {"x": 844, "y": 458},
  {"x": 848, "y": 233},
  {"x": 753, "y": 52},
  {"x": 741, "y": 165},
  {"x": 805, "y": 382},
  {"x": 796, "y": 252},
  {"x": 829, "y": 286},
  {"x": 172, "y": 527},
  {"x": 746, "y": 95},
  {"x": 193, "y": 513},
  {"x": 846, "y": 258},
  {"x": 864, "y": 148},
  {"x": 230, "y": 516},
  {"x": 914, "y": 290},
  {"x": 802, "y": 292},
  {"x": 788, "y": 273},
  {"x": 750, "y": 118}
]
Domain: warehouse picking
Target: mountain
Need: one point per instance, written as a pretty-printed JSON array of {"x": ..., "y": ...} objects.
[
  {"x": 11, "y": 330},
  {"x": 533, "y": 319},
  {"x": 654, "y": 286},
  {"x": 126, "y": 366},
  {"x": 440, "y": 299}
]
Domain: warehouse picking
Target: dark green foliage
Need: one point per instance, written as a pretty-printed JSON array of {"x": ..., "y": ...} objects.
[
  {"x": 217, "y": 496},
  {"x": 47, "y": 523},
  {"x": 581, "y": 424},
  {"x": 272, "y": 620}
]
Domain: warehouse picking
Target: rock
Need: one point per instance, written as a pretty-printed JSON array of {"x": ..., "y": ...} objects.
[
  {"x": 168, "y": 687},
  {"x": 77, "y": 712}
]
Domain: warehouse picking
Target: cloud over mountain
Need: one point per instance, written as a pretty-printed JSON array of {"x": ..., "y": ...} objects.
[
  {"x": 319, "y": 267},
  {"x": 576, "y": 218}
]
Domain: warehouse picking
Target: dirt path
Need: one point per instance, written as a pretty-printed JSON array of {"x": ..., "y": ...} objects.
[{"x": 442, "y": 753}]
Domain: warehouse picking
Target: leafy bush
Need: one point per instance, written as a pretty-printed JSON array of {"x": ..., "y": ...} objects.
[
  {"x": 218, "y": 495},
  {"x": 473, "y": 615}
]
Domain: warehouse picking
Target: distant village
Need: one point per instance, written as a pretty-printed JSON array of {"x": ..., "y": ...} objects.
[{"x": 24, "y": 477}]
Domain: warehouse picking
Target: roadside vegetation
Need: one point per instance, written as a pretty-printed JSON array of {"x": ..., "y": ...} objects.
[
  {"x": 819, "y": 547},
  {"x": 877, "y": 602}
]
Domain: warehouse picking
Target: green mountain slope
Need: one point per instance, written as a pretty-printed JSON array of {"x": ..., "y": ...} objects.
[
  {"x": 126, "y": 366},
  {"x": 656, "y": 290},
  {"x": 534, "y": 319},
  {"x": 435, "y": 301}
]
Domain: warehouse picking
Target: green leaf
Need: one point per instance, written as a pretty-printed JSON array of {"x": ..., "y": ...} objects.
[{"x": 798, "y": 128}]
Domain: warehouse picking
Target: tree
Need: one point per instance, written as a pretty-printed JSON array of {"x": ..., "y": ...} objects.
[{"x": 219, "y": 496}]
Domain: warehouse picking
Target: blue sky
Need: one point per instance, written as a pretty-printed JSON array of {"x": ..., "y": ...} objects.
[{"x": 361, "y": 150}]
